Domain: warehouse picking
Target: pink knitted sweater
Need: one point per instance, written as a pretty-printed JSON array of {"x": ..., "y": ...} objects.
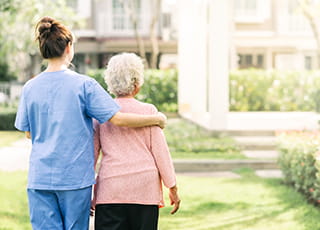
[{"x": 135, "y": 161}]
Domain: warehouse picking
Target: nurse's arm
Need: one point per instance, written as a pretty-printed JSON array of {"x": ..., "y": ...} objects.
[
  {"x": 136, "y": 120},
  {"x": 28, "y": 135}
]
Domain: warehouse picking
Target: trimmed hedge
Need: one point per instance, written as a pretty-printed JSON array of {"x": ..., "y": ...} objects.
[
  {"x": 261, "y": 90},
  {"x": 159, "y": 88},
  {"x": 7, "y": 120},
  {"x": 299, "y": 161}
]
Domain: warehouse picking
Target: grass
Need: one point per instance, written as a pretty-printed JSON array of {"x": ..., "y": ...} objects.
[
  {"x": 8, "y": 137},
  {"x": 248, "y": 203},
  {"x": 13, "y": 198},
  {"x": 189, "y": 141}
]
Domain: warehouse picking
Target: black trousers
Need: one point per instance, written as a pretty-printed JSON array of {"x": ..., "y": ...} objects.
[{"x": 126, "y": 217}]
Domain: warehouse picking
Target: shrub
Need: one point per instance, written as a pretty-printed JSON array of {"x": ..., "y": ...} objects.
[
  {"x": 5, "y": 74},
  {"x": 260, "y": 90},
  {"x": 299, "y": 161},
  {"x": 160, "y": 88},
  {"x": 7, "y": 119}
]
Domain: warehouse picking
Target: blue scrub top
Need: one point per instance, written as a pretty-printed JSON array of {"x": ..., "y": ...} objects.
[{"x": 57, "y": 108}]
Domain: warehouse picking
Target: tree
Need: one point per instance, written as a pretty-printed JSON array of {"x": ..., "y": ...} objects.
[
  {"x": 310, "y": 10},
  {"x": 17, "y": 35},
  {"x": 131, "y": 8}
]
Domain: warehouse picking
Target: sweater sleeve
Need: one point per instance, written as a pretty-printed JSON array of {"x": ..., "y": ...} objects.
[{"x": 161, "y": 154}]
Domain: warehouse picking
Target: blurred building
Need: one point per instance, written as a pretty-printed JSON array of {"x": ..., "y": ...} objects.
[
  {"x": 267, "y": 33},
  {"x": 109, "y": 31},
  {"x": 273, "y": 34}
]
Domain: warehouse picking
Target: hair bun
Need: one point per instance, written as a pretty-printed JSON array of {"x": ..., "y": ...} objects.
[{"x": 45, "y": 25}]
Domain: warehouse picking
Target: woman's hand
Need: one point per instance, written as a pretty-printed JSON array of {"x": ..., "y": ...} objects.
[
  {"x": 92, "y": 208},
  {"x": 174, "y": 199},
  {"x": 28, "y": 134}
]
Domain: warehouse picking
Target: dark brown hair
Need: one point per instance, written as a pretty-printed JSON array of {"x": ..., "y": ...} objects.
[{"x": 53, "y": 37}]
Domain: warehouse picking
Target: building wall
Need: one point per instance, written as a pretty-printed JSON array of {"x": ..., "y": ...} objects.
[{"x": 281, "y": 40}]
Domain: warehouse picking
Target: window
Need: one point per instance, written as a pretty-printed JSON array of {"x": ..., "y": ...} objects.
[
  {"x": 121, "y": 19},
  {"x": 248, "y": 11},
  {"x": 260, "y": 61},
  {"x": 251, "y": 61},
  {"x": 72, "y": 3},
  {"x": 308, "y": 62},
  {"x": 166, "y": 20},
  {"x": 291, "y": 20},
  {"x": 246, "y": 7}
]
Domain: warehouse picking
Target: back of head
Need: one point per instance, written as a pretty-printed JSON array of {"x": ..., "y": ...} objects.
[
  {"x": 124, "y": 73},
  {"x": 53, "y": 37}
]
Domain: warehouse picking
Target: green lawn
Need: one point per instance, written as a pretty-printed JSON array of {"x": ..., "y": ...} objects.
[
  {"x": 13, "y": 199},
  {"x": 248, "y": 203},
  {"x": 8, "y": 137}
]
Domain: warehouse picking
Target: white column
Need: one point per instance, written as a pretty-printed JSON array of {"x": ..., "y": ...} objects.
[
  {"x": 220, "y": 22},
  {"x": 203, "y": 61}
]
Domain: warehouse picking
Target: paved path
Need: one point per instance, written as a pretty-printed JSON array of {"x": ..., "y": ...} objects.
[{"x": 16, "y": 156}]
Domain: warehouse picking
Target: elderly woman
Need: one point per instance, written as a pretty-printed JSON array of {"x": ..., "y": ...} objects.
[{"x": 134, "y": 161}]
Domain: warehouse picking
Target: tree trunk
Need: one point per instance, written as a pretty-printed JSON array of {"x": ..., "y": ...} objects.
[
  {"x": 154, "y": 34},
  {"x": 130, "y": 9},
  {"x": 306, "y": 9}
]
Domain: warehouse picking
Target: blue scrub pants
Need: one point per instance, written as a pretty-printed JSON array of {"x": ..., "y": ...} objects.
[{"x": 60, "y": 210}]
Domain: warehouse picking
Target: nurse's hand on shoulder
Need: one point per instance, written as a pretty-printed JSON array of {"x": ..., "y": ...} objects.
[
  {"x": 163, "y": 120},
  {"x": 174, "y": 199}
]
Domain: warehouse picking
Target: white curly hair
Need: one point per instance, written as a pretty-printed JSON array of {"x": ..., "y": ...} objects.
[{"x": 123, "y": 73}]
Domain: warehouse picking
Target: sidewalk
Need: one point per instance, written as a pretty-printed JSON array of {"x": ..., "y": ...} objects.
[{"x": 16, "y": 156}]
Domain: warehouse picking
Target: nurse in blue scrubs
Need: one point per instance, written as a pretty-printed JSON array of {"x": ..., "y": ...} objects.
[{"x": 56, "y": 110}]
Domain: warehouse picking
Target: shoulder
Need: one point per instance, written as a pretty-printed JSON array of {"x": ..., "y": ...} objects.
[
  {"x": 80, "y": 77},
  {"x": 148, "y": 107},
  {"x": 89, "y": 83}
]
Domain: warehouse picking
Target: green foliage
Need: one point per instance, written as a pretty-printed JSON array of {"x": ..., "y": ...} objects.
[
  {"x": 5, "y": 74},
  {"x": 98, "y": 75},
  {"x": 17, "y": 22},
  {"x": 300, "y": 162},
  {"x": 159, "y": 88},
  {"x": 187, "y": 140},
  {"x": 7, "y": 119},
  {"x": 260, "y": 90}
]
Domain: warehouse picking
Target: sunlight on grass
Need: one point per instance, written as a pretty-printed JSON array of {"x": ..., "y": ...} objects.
[
  {"x": 13, "y": 199},
  {"x": 8, "y": 137},
  {"x": 249, "y": 203}
]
